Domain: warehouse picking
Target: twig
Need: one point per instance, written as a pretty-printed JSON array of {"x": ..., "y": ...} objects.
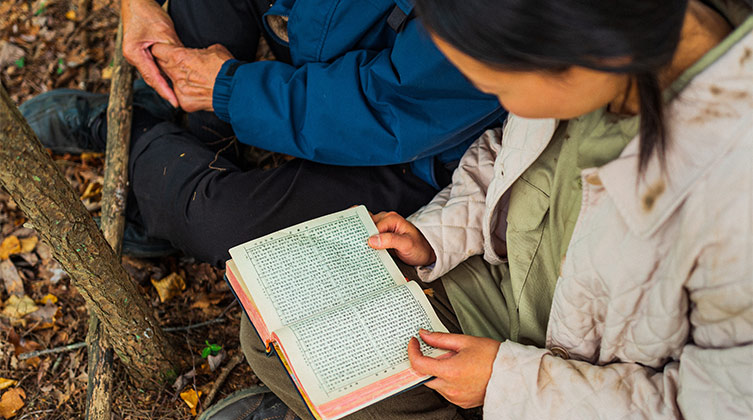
[
  {"x": 231, "y": 364},
  {"x": 76, "y": 346},
  {"x": 192, "y": 326},
  {"x": 35, "y": 413},
  {"x": 63, "y": 349}
]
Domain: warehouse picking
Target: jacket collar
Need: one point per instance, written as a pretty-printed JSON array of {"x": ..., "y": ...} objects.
[{"x": 706, "y": 120}]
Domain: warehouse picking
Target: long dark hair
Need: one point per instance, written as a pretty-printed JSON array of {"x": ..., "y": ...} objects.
[{"x": 635, "y": 37}]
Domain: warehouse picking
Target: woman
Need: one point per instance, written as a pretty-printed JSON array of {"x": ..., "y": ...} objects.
[{"x": 614, "y": 211}]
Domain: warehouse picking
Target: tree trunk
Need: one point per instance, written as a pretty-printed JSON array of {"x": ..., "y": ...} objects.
[
  {"x": 40, "y": 190},
  {"x": 115, "y": 191}
]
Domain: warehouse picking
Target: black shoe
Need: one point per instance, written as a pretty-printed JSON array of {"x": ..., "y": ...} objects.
[
  {"x": 249, "y": 404},
  {"x": 137, "y": 244},
  {"x": 72, "y": 121}
]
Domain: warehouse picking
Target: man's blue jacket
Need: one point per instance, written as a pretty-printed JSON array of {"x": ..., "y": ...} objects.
[{"x": 359, "y": 92}]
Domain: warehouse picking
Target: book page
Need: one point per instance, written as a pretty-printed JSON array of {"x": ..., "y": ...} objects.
[
  {"x": 350, "y": 347},
  {"x": 314, "y": 266}
]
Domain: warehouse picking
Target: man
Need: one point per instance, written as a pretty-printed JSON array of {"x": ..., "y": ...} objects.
[{"x": 358, "y": 93}]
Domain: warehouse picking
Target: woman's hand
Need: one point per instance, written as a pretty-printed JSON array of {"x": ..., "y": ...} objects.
[
  {"x": 396, "y": 233},
  {"x": 145, "y": 23},
  {"x": 461, "y": 376}
]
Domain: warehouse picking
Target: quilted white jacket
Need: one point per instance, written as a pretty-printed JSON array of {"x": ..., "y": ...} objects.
[{"x": 653, "y": 310}]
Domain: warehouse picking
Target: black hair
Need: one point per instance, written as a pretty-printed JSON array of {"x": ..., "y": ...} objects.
[{"x": 635, "y": 37}]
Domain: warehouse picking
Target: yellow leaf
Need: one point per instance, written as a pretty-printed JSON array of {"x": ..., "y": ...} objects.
[
  {"x": 11, "y": 245},
  {"x": 28, "y": 244},
  {"x": 18, "y": 307},
  {"x": 11, "y": 402},
  {"x": 169, "y": 287},
  {"x": 107, "y": 73},
  {"x": 91, "y": 156},
  {"x": 92, "y": 190},
  {"x": 7, "y": 383},
  {"x": 48, "y": 298},
  {"x": 191, "y": 398},
  {"x": 70, "y": 15}
]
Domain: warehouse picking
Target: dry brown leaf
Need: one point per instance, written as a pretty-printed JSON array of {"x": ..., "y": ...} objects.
[
  {"x": 204, "y": 301},
  {"x": 30, "y": 258},
  {"x": 11, "y": 402},
  {"x": 28, "y": 244},
  {"x": 44, "y": 251},
  {"x": 169, "y": 287},
  {"x": 44, "y": 316},
  {"x": 11, "y": 245},
  {"x": 18, "y": 307},
  {"x": 214, "y": 361},
  {"x": 9, "y": 53},
  {"x": 191, "y": 398},
  {"x": 7, "y": 383},
  {"x": 14, "y": 285}
]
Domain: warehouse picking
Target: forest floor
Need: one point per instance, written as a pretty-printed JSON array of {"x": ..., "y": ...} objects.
[{"x": 45, "y": 45}]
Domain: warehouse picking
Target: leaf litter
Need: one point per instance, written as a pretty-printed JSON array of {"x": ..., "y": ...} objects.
[{"x": 46, "y": 45}]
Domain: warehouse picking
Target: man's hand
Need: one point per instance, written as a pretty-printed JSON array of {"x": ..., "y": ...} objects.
[
  {"x": 146, "y": 24},
  {"x": 462, "y": 376},
  {"x": 396, "y": 233},
  {"x": 193, "y": 72}
]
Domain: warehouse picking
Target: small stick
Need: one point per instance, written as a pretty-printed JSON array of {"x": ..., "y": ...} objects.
[
  {"x": 63, "y": 349},
  {"x": 76, "y": 346},
  {"x": 231, "y": 364}
]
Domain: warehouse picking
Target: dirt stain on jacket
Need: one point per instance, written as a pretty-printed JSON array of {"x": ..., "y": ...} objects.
[{"x": 652, "y": 194}]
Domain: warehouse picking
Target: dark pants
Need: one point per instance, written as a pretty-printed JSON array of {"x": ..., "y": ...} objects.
[{"x": 204, "y": 208}]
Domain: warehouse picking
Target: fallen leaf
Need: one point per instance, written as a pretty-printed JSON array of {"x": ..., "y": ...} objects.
[
  {"x": 203, "y": 301},
  {"x": 90, "y": 157},
  {"x": 45, "y": 316},
  {"x": 30, "y": 258},
  {"x": 184, "y": 380},
  {"x": 22, "y": 345},
  {"x": 169, "y": 287},
  {"x": 14, "y": 285},
  {"x": 10, "y": 53},
  {"x": 48, "y": 298},
  {"x": 191, "y": 398},
  {"x": 28, "y": 244},
  {"x": 7, "y": 383},
  {"x": 216, "y": 360},
  {"x": 11, "y": 245},
  {"x": 57, "y": 275},
  {"x": 18, "y": 307},
  {"x": 92, "y": 190},
  {"x": 107, "y": 73},
  {"x": 70, "y": 15},
  {"x": 11, "y": 402},
  {"x": 44, "y": 251}
]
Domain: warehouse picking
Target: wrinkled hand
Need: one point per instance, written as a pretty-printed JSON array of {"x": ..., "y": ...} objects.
[
  {"x": 145, "y": 23},
  {"x": 396, "y": 233},
  {"x": 193, "y": 72},
  {"x": 462, "y": 376}
]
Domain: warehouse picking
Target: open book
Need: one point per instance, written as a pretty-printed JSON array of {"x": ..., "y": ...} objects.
[{"x": 338, "y": 313}]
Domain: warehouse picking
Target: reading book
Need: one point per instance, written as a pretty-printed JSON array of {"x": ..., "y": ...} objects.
[{"x": 338, "y": 313}]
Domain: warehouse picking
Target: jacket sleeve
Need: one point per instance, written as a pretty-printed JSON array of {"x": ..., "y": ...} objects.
[
  {"x": 711, "y": 378},
  {"x": 364, "y": 108},
  {"x": 452, "y": 221}
]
